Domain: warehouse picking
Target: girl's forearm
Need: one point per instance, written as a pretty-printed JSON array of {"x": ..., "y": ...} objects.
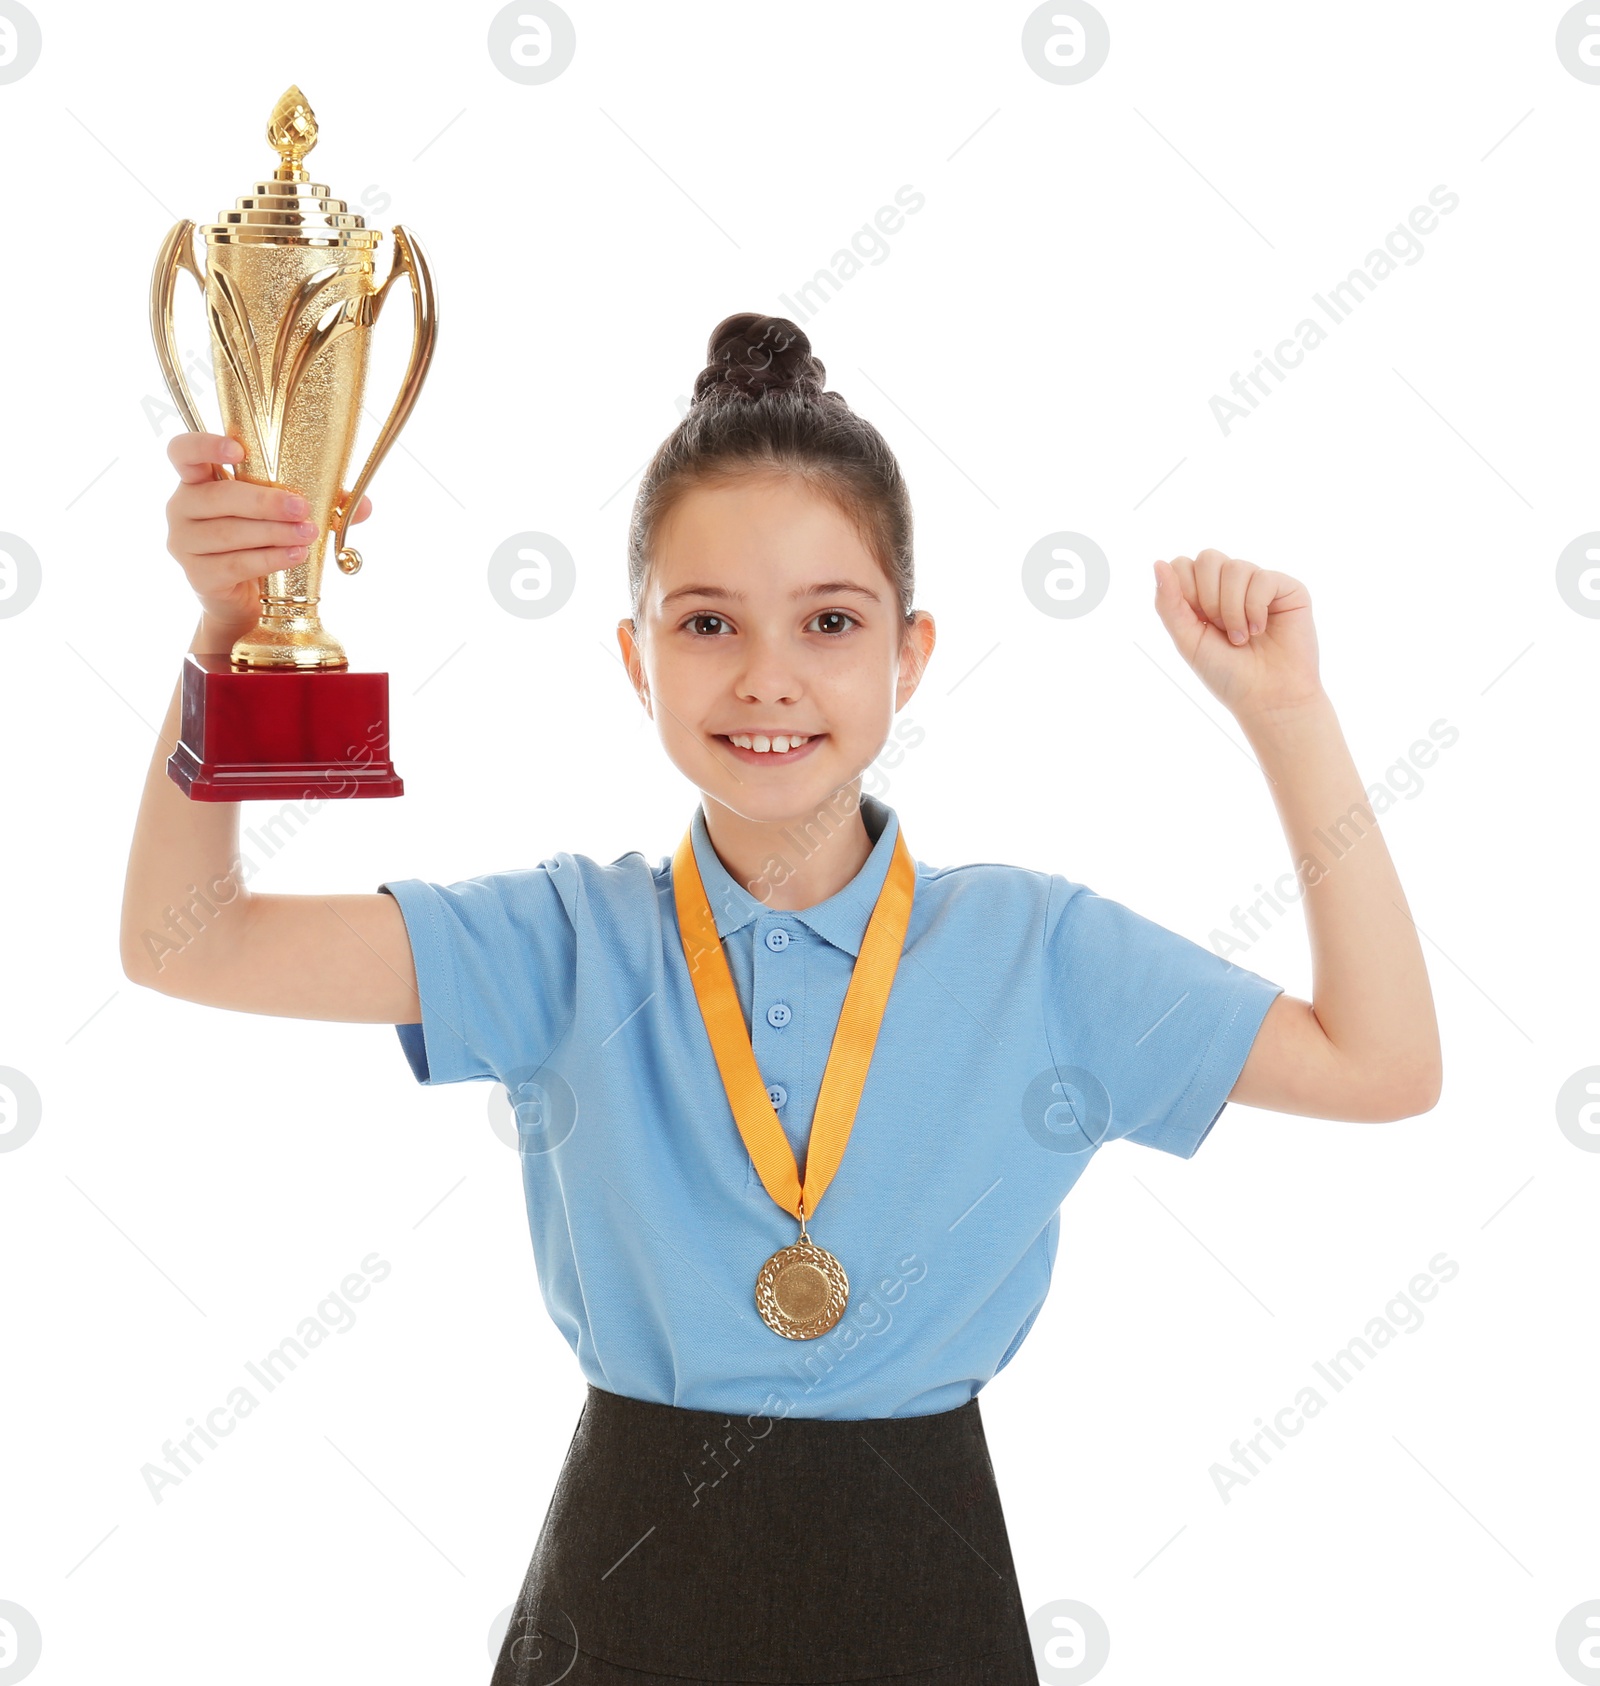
[
  {"x": 1370, "y": 984},
  {"x": 182, "y": 886}
]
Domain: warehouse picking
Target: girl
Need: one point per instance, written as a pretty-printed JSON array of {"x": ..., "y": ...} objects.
[{"x": 767, "y": 1088}]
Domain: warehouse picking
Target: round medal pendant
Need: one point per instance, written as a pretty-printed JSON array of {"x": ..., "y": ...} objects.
[{"x": 801, "y": 1291}]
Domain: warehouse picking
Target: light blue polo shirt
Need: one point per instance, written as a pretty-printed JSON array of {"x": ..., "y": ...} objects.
[{"x": 1030, "y": 1022}]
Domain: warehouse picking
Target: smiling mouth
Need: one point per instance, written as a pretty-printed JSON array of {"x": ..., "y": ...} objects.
[{"x": 777, "y": 746}]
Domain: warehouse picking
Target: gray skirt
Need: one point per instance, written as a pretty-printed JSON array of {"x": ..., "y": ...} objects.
[{"x": 690, "y": 1546}]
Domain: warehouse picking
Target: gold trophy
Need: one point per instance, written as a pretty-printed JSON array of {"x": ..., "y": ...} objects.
[{"x": 290, "y": 299}]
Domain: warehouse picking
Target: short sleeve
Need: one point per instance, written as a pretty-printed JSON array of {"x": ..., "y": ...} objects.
[
  {"x": 1155, "y": 1028},
  {"x": 496, "y": 973}
]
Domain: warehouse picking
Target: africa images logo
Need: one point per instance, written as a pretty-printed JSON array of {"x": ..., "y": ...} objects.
[{"x": 1400, "y": 245}]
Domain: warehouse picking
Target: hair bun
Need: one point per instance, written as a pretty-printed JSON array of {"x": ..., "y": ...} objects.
[{"x": 750, "y": 354}]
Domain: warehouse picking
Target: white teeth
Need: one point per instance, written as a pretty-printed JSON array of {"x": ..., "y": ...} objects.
[{"x": 764, "y": 745}]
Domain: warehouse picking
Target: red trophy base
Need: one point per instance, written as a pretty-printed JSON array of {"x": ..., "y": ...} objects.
[{"x": 281, "y": 734}]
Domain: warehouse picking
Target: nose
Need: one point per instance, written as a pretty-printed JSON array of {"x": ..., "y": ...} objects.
[{"x": 769, "y": 672}]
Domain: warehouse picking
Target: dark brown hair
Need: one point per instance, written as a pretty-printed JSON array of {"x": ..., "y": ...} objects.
[{"x": 759, "y": 406}]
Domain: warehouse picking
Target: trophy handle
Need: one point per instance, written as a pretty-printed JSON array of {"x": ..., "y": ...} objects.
[
  {"x": 410, "y": 260},
  {"x": 177, "y": 252}
]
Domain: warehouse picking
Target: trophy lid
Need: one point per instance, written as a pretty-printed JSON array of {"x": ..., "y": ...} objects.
[{"x": 290, "y": 209}]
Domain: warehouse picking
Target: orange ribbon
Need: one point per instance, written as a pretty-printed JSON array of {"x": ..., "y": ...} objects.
[{"x": 856, "y": 1035}]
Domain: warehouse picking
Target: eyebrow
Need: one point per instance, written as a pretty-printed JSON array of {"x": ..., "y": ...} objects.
[{"x": 828, "y": 588}]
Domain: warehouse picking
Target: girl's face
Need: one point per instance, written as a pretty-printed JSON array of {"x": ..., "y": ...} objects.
[{"x": 764, "y": 613}]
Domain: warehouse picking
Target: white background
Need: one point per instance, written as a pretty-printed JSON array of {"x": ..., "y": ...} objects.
[{"x": 1040, "y": 346}]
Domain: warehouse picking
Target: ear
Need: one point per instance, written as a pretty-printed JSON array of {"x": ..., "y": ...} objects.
[
  {"x": 627, "y": 640},
  {"x": 916, "y": 650}
]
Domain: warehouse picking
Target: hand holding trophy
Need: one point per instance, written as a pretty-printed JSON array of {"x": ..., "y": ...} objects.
[{"x": 290, "y": 299}]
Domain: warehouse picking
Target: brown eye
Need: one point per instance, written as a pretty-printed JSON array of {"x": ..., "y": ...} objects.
[
  {"x": 836, "y": 615},
  {"x": 694, "y": 620}
]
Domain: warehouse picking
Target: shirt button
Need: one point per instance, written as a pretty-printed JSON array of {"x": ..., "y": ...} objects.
[
  {"x": 777, "y": 1094},
  {"x": 778, "y": 1014},
  {"x": 777, "y": 939}
]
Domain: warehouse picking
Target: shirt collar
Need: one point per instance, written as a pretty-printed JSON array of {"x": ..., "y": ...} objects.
[{"x": 840, "y": 920}]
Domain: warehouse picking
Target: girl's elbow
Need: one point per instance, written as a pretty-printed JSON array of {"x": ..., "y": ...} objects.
[{"x": 1410, "y": 1099}]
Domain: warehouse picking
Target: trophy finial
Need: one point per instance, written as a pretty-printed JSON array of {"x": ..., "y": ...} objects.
[{"x": 292, "y": 130}]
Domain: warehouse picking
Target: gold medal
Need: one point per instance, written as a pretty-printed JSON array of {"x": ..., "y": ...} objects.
[{"x": 802, "y": 1290}]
